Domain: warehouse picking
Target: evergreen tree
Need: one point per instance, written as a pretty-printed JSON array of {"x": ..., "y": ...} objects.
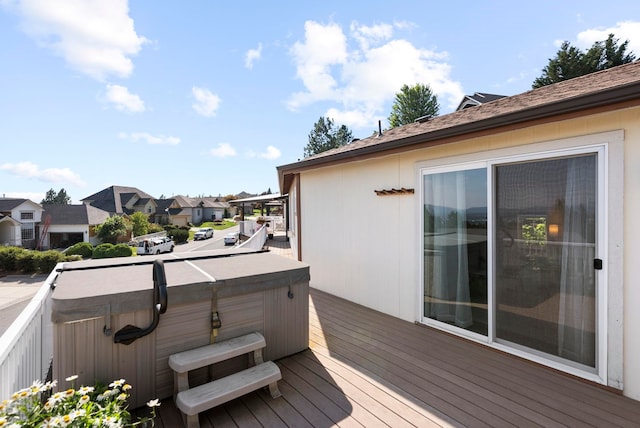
[
  {"x": 412, "y": 103},
  {"x": 60, "y": 198},
  {"x": 571, "y": 62},
  {"x": 324, "y": 137}
]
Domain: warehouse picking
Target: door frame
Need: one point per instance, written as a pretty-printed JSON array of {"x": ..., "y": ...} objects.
[{"x": 609, "y": 285}]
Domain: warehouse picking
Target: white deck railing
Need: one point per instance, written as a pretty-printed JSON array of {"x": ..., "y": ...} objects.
[
  {"x": 257, "y": 240},
  {"x": 26, "y": 347}
]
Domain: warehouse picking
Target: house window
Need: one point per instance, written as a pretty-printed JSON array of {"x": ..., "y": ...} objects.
[
  {"x": 509, "y": 246},
  {"x": 26, "y": 215},
  {"x": 27, "y": 232}
]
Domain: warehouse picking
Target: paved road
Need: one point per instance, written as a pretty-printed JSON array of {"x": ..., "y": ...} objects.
[{"x": 15, "y": 293}]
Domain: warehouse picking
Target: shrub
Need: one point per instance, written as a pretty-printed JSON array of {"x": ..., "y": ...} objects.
[
  {"x": 84, "y": 249},
  {"x": 25, "y": 262},
  {"x": 103, "y": 251},
  {"x": 179, "y": 236},
  {"x": 46, "y": 261},
  {"x": 122, "y": 250},
  {"x": 155, "y": 228},
  {"x": 8, "y": 258}
]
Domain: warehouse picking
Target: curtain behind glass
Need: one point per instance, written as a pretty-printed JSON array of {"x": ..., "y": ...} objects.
[
  {"x": 447, "y": 296},
  {"x": 576, "y": 318}
]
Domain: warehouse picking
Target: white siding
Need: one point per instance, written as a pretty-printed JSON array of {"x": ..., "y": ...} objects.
[{"x": 369, "y": 252}]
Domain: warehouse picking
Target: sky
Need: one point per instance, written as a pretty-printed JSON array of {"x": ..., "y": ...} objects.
[{"x": 207, "y": 98}]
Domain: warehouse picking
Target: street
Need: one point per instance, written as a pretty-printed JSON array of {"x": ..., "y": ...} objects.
[{"x": 215, "y": 243}]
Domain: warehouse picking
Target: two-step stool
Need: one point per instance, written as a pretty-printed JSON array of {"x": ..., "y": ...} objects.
[{"x": 192, "y": 401}]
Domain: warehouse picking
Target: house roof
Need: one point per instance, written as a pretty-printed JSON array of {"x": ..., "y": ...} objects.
[
  {"x": 8, "y": 204},
  {"x": 476, "y": 99},
  {"x": 75, "y": 214},
  {"x": 163, "y": 204},
  {"x": 617, "y": 87},
  {"x": 6, "y": 218},
  {"x": 210, "y": 202},
  {"x": 112, "y": 199}
]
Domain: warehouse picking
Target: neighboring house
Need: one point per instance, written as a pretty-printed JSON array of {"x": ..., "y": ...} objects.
[
  {"x": 179, "y": 211},
  {"x": 476, "y": 99},
  {"x": 208, "y": 209},
  {"x": 19, "y": 219},
  {"x": 70, "y": 224},
  {"x": 513, "y": 224},
  {"x": 183, "y": 210},
  {"x": 122, "y": 200}
]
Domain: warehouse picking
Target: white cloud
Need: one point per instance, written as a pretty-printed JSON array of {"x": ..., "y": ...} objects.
[
  {"x": 49, "y": 175},
  {"x": 223, "y": 150},
  {"x": 271, "y": 153},
  {"x": 207, "y": 102},
  {"x": 150, "y": 139},
  {"x": 96, "y": 38},
  {"x": 626, "y": 30},
  {"x": 123, "y": 100},
  {"x": 363, "y": 79},
  {"x": 252, "y": 56}
]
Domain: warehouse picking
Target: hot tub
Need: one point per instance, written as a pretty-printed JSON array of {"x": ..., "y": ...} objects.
[{"x": 94, "y": 301}]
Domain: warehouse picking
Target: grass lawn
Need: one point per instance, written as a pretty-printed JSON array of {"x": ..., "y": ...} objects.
[{"x": 221, "y": 225}]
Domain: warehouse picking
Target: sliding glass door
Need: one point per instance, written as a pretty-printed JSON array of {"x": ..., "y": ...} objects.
[
  {"x": 510, "y": 253},
  {"x": 545, "y": 251},
  {"x": 455, "y": 248}
]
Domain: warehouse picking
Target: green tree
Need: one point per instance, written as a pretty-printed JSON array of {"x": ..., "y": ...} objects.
[
  {"x": 60, "y": 198},
  {"x": 571, "y": 62},
  {"x": 139, "y": 223},
  {"x": 324, "y": 137},
  {"x": 112, "y": 229},
  {"x": 411, "y": 103}
]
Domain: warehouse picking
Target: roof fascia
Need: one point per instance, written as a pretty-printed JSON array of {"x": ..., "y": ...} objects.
[{"x": 618, "y": 95}]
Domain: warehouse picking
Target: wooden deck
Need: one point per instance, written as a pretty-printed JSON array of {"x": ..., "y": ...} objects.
[{"x": 367, "y": 369}]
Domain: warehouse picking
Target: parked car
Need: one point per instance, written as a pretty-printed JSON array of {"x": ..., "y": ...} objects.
[
  {"x": 155, "y": 246},
  {"x": 203, "y": 233},
  {"x": 231, "y": 238}
]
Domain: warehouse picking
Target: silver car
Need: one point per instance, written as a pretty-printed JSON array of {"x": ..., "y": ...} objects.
[
  {"x": 231, "y": 238},
  {"x": 204, "y": 233}
]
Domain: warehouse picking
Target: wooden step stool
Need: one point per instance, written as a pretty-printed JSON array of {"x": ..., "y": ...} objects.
[{"x": 192, "y": 401}]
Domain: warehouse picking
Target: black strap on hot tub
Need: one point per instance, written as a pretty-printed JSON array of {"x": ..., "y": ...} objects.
[{"x": 129, "y": 333}]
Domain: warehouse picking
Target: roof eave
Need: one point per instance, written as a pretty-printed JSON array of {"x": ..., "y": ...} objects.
[{"x": 609, "y": 96}]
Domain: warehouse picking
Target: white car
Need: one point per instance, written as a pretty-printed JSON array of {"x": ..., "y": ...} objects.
[
  {"x": 155, "y": 246},
  {"x": 204, "y": 233},
  {"x": 231, "y": 238}
]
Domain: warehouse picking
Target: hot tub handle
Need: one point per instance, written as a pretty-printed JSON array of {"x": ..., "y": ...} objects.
[{"x": 130, "y": 333}]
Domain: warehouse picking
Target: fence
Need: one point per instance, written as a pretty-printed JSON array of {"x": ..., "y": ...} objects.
[
  {"x": 257, "y": 239},
  {"x": 26, "y": 347}
]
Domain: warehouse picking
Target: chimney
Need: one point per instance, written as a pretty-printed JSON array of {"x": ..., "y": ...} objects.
[{"x": 379, "y": 128}]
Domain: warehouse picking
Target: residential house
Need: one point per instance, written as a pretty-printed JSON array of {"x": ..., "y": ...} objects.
[
  {"x": 512, "y": 224},
  {"x": 183, "y": 210},
  {"x": 19, "y": 219},
  {"x": 476, "y": 99},
  {"x": 122, "y": 200},
  {"x": 175, "y": 210},
  {"x": 70, "y": 224},
  {"x": 209, "y": 209}
]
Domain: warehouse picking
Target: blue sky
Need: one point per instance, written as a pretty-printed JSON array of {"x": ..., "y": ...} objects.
[{"x": 208, "y": 98}]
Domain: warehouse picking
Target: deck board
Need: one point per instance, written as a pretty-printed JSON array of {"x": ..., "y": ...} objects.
[{"x": 364, "y": 369}]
